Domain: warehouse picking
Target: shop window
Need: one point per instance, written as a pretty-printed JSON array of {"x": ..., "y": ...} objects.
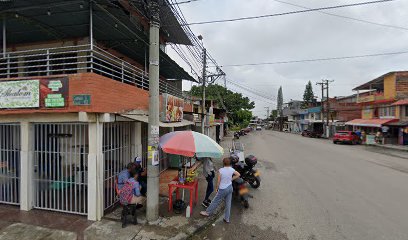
[{"x": 406, "y": 111}]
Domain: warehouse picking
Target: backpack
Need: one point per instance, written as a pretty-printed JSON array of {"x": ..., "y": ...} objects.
[{"x": 126, "y": 193}]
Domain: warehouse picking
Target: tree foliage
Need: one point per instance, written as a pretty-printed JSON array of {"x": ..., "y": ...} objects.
[
  {"x": 280, "y": 101},
  {"x": 237, "y": 105},
  {"x": 308, "y": 95}
]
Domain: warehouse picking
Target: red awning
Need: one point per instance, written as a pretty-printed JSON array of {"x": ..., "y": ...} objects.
[
  {"x": 370, "y": 122},
  {"x": 401, "y": 102}
]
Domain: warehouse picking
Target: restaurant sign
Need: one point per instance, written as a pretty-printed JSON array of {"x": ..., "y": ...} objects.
[
  {"x": 20, "y": 94},
  {"x": 171, "y": 109}
]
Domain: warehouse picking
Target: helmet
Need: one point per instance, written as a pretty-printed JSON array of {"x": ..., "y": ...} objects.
[{"x": 234, "y": 159}]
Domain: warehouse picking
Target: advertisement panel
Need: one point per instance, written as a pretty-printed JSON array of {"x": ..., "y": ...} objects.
[
  {"x": 37, "y": 93},
  {"x": 54, "y": 92},
  {"x": 20, "y": 94},
  {"x": 172, "y": 109}
]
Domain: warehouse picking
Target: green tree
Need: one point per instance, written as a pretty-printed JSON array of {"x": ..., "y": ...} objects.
[
  {"x": 233, "y": 101},
  {"x": 308, "y": 95},
  {"x": 280, "y": 101},
  {"x": 274, "y": 115},
  {"x": 243, "y": 117}
]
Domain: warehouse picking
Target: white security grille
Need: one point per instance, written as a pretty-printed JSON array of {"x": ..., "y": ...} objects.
[
  {"x": 117, "y": 154},
  {"x": 61, "y": 167},
  {"x": 10, "y": 163}
]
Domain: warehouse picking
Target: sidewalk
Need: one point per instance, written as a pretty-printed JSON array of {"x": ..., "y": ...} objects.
[
  {"x": 392, "y": 147},
  {"x": 38, "y": 224}
]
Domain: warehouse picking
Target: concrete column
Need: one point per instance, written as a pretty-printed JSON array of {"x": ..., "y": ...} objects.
[
  {"x": 26, "y": 166},
  {"x": 95, "y": 172},
  {"x": 136, "y": 139}
]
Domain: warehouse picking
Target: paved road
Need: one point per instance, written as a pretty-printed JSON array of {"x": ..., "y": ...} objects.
[{"x": 314, "y": 190}]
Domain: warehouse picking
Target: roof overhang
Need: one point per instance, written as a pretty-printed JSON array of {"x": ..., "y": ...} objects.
[
  {"x": 370, "y": 122},
  {"x": 145, "y": 118},
  {"x": 376, "y": 83},
  {"x": 113, "y": 27}
]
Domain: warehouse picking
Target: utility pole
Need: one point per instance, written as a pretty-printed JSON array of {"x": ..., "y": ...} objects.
[
  {"x": 325, "y": 86},
  {"x": 203, "y": 79},
  {"x": 152, "y": 207},
  {"x": 267, "y": 113}
]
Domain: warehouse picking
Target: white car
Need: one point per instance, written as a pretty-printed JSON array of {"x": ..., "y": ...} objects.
[{"x": 258, "y": 128}]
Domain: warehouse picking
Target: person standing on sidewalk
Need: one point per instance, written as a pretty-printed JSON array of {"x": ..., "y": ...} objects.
[
  {"x": 209, "y": 173},
  {"x": 224, "y": 190}
]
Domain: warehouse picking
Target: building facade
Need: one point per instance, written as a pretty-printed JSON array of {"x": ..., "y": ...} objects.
[{"x": 74, "y": 100}]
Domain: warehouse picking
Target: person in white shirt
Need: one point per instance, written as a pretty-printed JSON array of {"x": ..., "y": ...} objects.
[{"x": 224, "y": 190}]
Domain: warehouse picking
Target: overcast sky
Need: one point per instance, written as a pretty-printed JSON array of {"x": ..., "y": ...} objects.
[{"x": 297, "y": 37}]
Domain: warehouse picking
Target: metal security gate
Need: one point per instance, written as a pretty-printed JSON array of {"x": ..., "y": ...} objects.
[
  {"x": 10, "y": 163},
  {"x": 117, "y": 154},
  {"x": 61, "y": 167}
]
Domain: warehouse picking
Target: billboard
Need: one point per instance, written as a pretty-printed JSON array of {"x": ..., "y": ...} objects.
[
  {"x": 20, "y": 94},
  {"x": 37, "y": 93},
  {"x": 171, "y": 109}
]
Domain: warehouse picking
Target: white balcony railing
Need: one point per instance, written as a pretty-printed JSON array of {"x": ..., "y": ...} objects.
[{"x": 77, "y": 59}]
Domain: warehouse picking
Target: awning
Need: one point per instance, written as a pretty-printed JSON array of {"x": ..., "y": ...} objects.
[
  {"x": 400, "y": 102},
  {"x": 397, "y": 124},
  {"x": 145, "y": 118},
  {"x": 370, "y": 122}
]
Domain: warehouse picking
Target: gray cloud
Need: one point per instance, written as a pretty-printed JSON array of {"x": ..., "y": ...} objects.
[{"x": 301, "y": 36}]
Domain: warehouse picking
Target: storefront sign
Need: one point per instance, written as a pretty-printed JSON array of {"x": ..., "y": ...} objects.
[
  {"x": 370, "y": 139},
  {"x": 54, "y": 92},
  {"x": 20, "y": 94},
  {"x": 172, "y": 109},
  {"x": 82, "y": 100}
]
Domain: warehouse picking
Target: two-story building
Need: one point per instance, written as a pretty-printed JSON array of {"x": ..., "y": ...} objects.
[
  {"x": 377, "y": 104},
  {"x": 74, "y": 99}
]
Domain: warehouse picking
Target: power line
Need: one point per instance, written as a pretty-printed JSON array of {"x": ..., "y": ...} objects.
[
  {"x": 315, "y": 59},
  {"x": 345, "y": 17},
  {"x": 288, "y": 13},
  {"x": 183, "y": 2}
]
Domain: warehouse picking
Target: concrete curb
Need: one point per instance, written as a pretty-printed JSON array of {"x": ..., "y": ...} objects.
[{"x": 210, "y": 221}]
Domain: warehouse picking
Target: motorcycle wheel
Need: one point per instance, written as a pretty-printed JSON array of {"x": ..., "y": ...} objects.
[{"x": 255, "y": 182}]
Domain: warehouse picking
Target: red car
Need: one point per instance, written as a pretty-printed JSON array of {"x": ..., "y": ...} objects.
[{"x": 346, "y": 137}]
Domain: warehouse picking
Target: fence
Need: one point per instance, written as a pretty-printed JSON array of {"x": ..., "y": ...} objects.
[
  {"x": 61, "y": 167},
  {"x": 76, "y": 59},
  {"x": 10, "y": 163},
  {"x": 117, "y": 154}
]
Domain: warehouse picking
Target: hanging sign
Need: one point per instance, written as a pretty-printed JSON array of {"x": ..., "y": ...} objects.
[
  {"x": 171, "y": 109},
  {"x": 20, "y": 94}
]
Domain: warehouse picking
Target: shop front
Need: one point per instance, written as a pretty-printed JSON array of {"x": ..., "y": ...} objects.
[{"x": 377, "y": 129}]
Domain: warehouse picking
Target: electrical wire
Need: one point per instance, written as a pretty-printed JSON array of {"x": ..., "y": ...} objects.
[
  {"x": 315, "y": 59},
  {"x": 345, "y": 17},
  {"x": 187, "y": 1},
  {"x": 288, "y": 13}
]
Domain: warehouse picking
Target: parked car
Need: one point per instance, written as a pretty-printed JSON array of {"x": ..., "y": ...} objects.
[
  {"x": 258, "y": 128},
  {"x": 311, "y": 134},
  {"x": 346, "y": 137}
]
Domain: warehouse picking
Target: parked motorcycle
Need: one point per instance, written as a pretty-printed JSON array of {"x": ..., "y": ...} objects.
[
  {"x": 236, "y": 135},
  {"x": 241, "y": 190},
  {"x": 247, "y": 171}
]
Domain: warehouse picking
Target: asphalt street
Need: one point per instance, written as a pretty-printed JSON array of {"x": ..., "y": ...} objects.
[{"x": 314, "y": 190}]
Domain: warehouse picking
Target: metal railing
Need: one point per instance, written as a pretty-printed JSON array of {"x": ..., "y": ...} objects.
[{"x": 77, "y": 59}]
